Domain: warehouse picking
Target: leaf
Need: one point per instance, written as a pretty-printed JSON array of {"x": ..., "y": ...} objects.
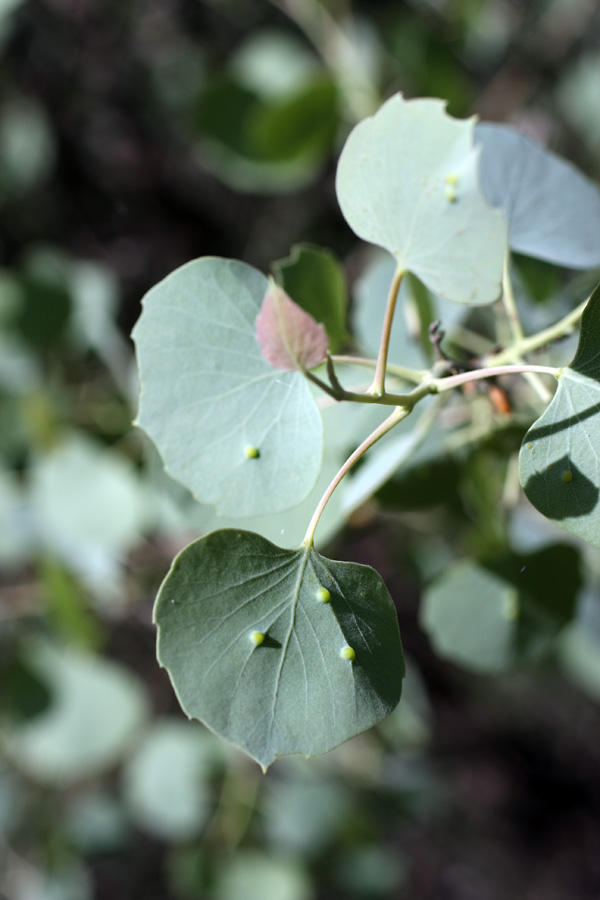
[
  {"x": 209, "y": 397},
  {"x": 86, "y": 498},
  {"x": 165, "y": 783},
  {"x": 293, "y": 692},
  {"x": 553, "y": 210},
  {"x": 252, "y": 875},
  {"x": 559, "y": 461},
  {"x": 96, "y": 709},
  {"x": 290, "y": 339},
  {"x": 491, "y": 616},
  {"x": 315, "y": 280},
  {"x": 268, "y": 146},
  {"x": 407, "y": 181}
]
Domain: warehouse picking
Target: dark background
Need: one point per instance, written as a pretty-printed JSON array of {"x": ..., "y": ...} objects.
[{"x": 500, "y": 796}]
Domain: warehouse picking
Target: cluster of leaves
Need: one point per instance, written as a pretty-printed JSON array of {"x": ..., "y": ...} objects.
[{"x": 281, "y": 650}]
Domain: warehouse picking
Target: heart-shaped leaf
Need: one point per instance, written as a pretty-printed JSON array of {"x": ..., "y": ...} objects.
[
  {"x": 279, "y": 651},
  {"x": 560, "y": 455},
  {"x": 290, "y": 339},
  {"x": 228, "y": 425},
  {"x": 553, "y": 210},
  {"x": 407, "y": 181}
]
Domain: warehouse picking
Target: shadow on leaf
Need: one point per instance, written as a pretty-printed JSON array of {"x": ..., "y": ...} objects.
[
  {"x": 562, "y": 491},
  {"x": 543, "y": 431}
]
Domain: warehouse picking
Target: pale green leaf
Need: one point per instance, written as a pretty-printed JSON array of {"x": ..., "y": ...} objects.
[
  {"x": 560, "y": 455},
  {"x": 407, "y": 181},
  {"x": 95, "y": 711},
  {"x": 165, "y": 782},
  {"x": 553, "y": 210},
  {"x": 86, "y": 497},
  {"x": 292, "y": 692},
  {"x": 491, "y": 616},
  {"x": 209, "y": 398},
  {"x": 252, "y": 875}
]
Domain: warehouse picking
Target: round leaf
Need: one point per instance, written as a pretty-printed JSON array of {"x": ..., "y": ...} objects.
[
  {"x": 208, "y": 394},
  {"x": 491, "y": 616},
  {"x": 96, "y": 708},
  {"x": 407, "y": 181},
  {"x": 165, "y": 782},
  {"x": 294, "y": 692}
]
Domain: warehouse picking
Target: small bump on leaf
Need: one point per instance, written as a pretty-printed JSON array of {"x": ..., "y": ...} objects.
[
  {"x": 450, "y": 194},
  {"x": 348, "y": 653},
  {"x": 567, "y": 477},
  {"x": 257, "y": 637},
  {"x": 251, "y": 452},
  {"x": 323, "y": 595}
]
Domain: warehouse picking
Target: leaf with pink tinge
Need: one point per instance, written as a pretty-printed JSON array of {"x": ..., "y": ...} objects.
[{"x": 289, "y": 337}]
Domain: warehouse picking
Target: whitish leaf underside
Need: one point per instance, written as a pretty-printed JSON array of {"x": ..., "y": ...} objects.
[{"x": 238, "y": 433}]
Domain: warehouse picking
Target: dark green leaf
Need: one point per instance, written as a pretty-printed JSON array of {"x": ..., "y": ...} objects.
[{"x": 293, "y": 691}]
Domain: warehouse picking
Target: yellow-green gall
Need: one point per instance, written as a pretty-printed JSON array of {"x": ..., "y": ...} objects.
[
  {"x": 323, "y": 595},
  {"x": 251, "y": 452},
  {"x": 452, "y": 178},
  {"x": 450, "y": 194},
  {"x": 567, "y": 477},
  {"x": 257, "y": 637},
  {"x": 348, "y": 653}
]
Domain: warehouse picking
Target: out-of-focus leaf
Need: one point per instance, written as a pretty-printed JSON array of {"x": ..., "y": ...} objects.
[
  {"x": 303, "y": 125},
  {"x": 165, "y": 782},
  {"x": 84, "y": 495},
  {"x": 273, "y": 64},
  {"x": 96, "y": 708},
  {"x": 252, "y": 875},
  {"x": 304, "y": 817},
  {"x": 491, "y": 616},
  {"x": 43, "y": 316},
  {"x": 26, "y": 145},
  {"x": 266, "y": 145},
  {"x": 578, "y": 97}
]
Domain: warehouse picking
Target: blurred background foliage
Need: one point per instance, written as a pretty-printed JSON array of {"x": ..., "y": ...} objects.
[{"x": 135, "y": 136}]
